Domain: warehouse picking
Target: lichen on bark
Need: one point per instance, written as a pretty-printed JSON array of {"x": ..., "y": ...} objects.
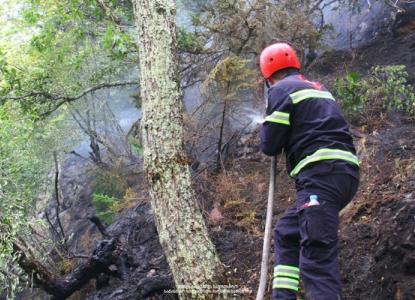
[{"x": 182, "y": 230}]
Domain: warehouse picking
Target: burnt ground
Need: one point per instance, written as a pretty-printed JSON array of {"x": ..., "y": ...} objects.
[
  {"x": 377, "y": 231},
  {"x": 377, "y": 234}
]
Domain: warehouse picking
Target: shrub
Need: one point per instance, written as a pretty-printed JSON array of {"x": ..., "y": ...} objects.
[
  {"x": 104, "y": 206},
  {"x": 383, "y": 88}
]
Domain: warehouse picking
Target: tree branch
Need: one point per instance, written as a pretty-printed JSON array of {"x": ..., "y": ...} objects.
[
  {"x": 65, "y": 99},
  {"x": 63, "y": 287},
  {"x": 108, "y": 11},
  {"x": 390, "y": 3},
  {"x": 53, "y": 227}
]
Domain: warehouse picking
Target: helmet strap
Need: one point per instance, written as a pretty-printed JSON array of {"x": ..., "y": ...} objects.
[{"x": 266, "y": 83}]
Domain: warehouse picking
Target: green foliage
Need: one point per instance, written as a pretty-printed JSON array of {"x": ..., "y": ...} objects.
[
  {"x": 109, "y": 182},
  {"x": 391, "y": 85},
  {"x": 224, "y": 87},
  {"x": 231, "y": 76},
  {"x": 228, "y": 27},
  {"x": 136, "y": 145},
  {"x": 348, "y": 89},
  {"x": 25, "y": 158},
  {"x": 104, "y": 206},
  {"x": 26, "y": 150},
  {"x": 187, "y": 42},
  {"x": 64, "y": 49},
  {"x": 110, "y": 185},
  {"x": 117, "y": 43},
  {"x": 383, "y": 88}
]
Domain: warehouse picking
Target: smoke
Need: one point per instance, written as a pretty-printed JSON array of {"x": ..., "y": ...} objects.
[
  {"x": 128, "y": 116},
  {"x": 357, "y": 28},
  {"x": 108, "y": 118},
  {"x": 256, "y": 118}
]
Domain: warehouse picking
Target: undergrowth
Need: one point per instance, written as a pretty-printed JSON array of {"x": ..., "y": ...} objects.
[
  {"x": 384, "y": 88},
  {"x": 111, "y": 187},
  {"x": 239, "y": 195}
]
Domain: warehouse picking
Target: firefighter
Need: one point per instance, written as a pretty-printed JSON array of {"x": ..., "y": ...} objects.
[{"x": 302, "y": 118}]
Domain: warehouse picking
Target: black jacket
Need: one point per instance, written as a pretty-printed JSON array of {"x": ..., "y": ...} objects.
[{"x": 304, "y": 119}]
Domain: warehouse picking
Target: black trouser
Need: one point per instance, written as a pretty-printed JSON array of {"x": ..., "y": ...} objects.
[{"x": 306, "y": 237}]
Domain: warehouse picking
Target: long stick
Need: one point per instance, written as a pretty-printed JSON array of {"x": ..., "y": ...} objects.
[{"x": 267, "y": 236}]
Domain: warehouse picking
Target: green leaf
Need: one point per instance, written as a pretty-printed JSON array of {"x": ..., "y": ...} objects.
[{"x": 355, "y": 76}]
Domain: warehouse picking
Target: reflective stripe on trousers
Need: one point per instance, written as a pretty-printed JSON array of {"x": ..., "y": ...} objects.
[{"x": 286, "y": 277}]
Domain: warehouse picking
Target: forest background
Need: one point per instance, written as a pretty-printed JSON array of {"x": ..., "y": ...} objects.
[{"x": 91, "y": 85}]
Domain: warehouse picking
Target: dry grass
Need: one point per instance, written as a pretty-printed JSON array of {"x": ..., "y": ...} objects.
[
  {"x": 405, "y": 30},
  {"x": 129, "y": 200},
  {"x": 239, "y": 197},
  {"x": 404, "y": 169},
  {"x": 87, "y": 241}
]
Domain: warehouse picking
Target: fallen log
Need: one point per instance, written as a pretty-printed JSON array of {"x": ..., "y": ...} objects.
[
  {"x": 107, "y": 259},
  {"x": 62, "y": 287}
]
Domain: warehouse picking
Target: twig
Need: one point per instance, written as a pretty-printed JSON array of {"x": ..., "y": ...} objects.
[
  {"x": 79, "y": 155},
  {"x": 27, "y": 253},
  {"x": 53, "y": 227},
  {"x": 75, "y": 253},
  {"x": 36, "y": 235},
  {"x": 394, "y": 5},
  {"x": 10, "y": 274},
  {"x": 235, "y": 136}
]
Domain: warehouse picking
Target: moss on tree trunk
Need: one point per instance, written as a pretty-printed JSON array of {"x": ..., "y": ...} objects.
[{"x": 182, "y": 230}]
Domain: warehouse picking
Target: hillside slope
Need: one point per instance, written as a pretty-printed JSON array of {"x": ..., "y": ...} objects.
[{"x": 377, "y": 234}]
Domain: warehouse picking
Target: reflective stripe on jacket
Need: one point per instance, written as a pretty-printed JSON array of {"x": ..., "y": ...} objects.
[{"x": 304, "y": 119}]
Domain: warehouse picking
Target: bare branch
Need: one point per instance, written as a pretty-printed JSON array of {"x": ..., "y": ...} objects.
[
  {"x": 51, "y": 225},
  {"x": 394, "y": 5},
  {"x": 316, "y": 6},
  {"x": 78, "y": 255},
  {"x": 75, "y": 253}
]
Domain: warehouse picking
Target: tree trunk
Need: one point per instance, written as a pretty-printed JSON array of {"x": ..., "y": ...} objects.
[{"x": 182, "y": 230}]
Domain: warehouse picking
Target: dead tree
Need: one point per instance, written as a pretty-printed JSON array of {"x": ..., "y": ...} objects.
[
  {"x": 62, "y": 287},
  {"x": 106, "y": 259}
]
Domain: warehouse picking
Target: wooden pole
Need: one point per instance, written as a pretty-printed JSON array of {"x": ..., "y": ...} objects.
[{"x": 268, "y": 227}]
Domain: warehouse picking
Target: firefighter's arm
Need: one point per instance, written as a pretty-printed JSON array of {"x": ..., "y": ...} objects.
[{"x": 275, "y": 129}]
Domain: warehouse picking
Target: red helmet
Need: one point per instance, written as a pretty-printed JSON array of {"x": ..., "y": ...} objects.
[{"x": 277, "y": 57}]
